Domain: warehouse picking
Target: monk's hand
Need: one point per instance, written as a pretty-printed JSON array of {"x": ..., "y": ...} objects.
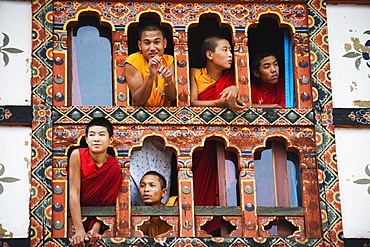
[
  {"x": 94, "y": 236},
  {"x": 165, "y": 73},
  {"x": 154, "y": 64},
  {"x": 230, "y": 93},
  {"x": 236, "y": 105},
  {"x": 78, "y": 240},
  {"x": 94, "y": 232}
]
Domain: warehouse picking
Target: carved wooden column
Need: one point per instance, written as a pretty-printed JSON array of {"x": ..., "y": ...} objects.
[
  {"x": 248, "y": 199},
  {"x": 185, "y": 197},
  {"x": 241, "y": 67},
  {"x": 60, "y": 197},
  {"x": 302, "y": 72},
  {"x": 59, "y": 78},
  {"x": 310, "y": 197},
  {"x": 121, "y": 92},
  {"x": 180, "y": 39},
  {"x": 123, "y": 207}
]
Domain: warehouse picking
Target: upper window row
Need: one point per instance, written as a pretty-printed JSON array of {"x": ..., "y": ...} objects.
[{"x": 151, "y": 71}]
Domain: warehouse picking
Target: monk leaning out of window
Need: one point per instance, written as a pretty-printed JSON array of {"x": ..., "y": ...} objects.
[
  {"x": 214, "y": 85},
  {"x": 152, "y": 189},
  {"x": 94, "y": 180},
  {"x": 268, "y": 90},
  {"x": 150, "y": 72}
]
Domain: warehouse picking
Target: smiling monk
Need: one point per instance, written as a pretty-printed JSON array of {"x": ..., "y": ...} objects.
[{"x": 150, "y": 72}]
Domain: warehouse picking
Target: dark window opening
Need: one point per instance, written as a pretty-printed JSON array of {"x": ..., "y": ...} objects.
[
  {"x": 215, "y": 181},
  {"x": 161, "y": 226},
  {"x": 134, "y": 28},
  {"x": 269, "y": 36},
  {"x": 207, "y": 26},
  {"x": 225, "y": 229},
  {"x": 281, "y": 227}
]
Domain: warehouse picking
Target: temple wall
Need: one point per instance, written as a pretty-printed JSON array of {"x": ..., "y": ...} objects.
[
  {"x": 26, "y": 211},
  {"x": 15, "y": 141},
  {"x": 349, "y": 48}
]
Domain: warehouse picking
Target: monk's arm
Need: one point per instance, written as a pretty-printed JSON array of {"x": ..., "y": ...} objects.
[
  {"x": 74, "y": 198},
  {"x": 140, "y": 88},
  {"x": 170, "y": 85},
  {"x": 194, "y": 94},
  {"x": 230, "y": 93}
]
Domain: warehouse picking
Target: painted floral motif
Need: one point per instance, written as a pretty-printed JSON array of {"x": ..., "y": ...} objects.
[
  {"x": 322, "y": 39},
  {"x": 41, "y": 113},
  {"x": 324, "y": 75},
  {"x": 336, "y": 234},
  {"x": 330, "y": 157},
  {"x": 358, "y": 51},
  {"x": 5, "y": 179},
  {"x": 187, "y": 242},
  {"x": 360, "y": 116},
  {"x": 365, "y": 180},
  {"x": 333, "y": 197},
  {"x": 35, "y": 233},
  {"x": 38, "y": 35},
  {"x": 5, "y": 114},
  {"x": 37, "y": 193},
  {"x": 325, "y": 118},
  {"x": 7, "y": 50}
]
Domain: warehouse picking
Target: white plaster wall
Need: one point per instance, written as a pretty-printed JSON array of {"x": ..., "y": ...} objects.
[
  {"x": 15, "y": 153},
  {"x": 353, "y": 155},
  {"x": 15, "y": 77},
  {"x": 351, "y": 86}
]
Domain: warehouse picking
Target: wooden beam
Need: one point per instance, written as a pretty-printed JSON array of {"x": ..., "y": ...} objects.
[
  {"x": 351, "y": 117},
  {"x": 281, "y": 174},
  {"x": 199, "y": 210},
  {"x": 280, "y": 211},
  {"x": 16, "y": 115}
]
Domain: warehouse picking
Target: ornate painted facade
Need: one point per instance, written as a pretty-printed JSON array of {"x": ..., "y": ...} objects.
[{"x": 308, "y": 128}]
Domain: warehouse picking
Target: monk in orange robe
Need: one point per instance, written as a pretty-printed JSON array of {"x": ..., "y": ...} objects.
[
  {"x": 152, "y": 190},
  {"x": 150, "y": 72},
  {"x": 214, "y": 85}
]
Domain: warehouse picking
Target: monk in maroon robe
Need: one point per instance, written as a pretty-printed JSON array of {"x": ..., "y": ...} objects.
[
  {"x": 213, "y": 85},
  {"x": 94, "y": 180},
  {"x": 268, "y": 90}
]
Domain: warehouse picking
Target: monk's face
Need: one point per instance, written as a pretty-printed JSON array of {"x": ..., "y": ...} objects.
[
  {"x": 150, "y": 190},
  {"x": 268, "y": 71},
  {"x": 222, "y": 56},
  {"x": 98, "y": 139},
  {"x": 152, "y": 44}
]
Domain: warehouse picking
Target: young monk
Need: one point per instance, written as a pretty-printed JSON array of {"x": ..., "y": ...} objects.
[
  {"x": 150, "y": 72},
  {"x": 94, "y": 180},
  {"x": 269, "y": 89},
  {"x": 214, "y": 85},
  {"x": 152, "y": 190}
]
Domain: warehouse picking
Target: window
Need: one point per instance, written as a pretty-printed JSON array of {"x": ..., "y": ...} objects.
[
  {"x": 278, "y": 183},
  {"x": 208, "y": 25},
  {"x": 215, "y": 183},
  {"x": 153, "y": 157},
  {"x": 268, "y": 35},
  {"x": 90, "y": 56},
  {"x": 133, "y": 32},
  {"x": 146, "y": 19}
]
